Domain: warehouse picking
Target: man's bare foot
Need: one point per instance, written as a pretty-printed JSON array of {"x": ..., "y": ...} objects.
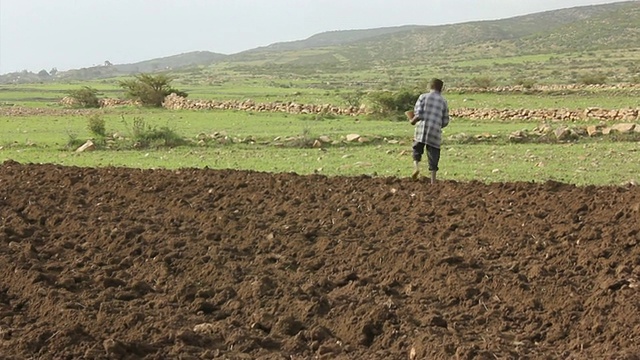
[{"x": 415, "y": 174}]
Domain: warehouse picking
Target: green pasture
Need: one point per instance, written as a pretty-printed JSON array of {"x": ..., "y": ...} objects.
[
  {"x": 43, "y": 139},
  {"x": 54, "y": 131},
  {"x": 582, "y": 164}
]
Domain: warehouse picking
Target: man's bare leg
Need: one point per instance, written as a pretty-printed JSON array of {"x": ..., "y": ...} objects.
[
  {"x": 416, "y": 170},
  {"x": 433, "y": 177}
]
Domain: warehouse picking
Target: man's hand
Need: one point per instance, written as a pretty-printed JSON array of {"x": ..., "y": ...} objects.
[{"x": 415, "y": 120}]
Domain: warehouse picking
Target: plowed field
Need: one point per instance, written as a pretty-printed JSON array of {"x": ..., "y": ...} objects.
[{"x": 116, "y": 263}]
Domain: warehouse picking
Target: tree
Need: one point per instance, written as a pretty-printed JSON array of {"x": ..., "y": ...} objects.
[
  {"x": 149, "y": 89},
  {"x": 43, "y": 73},
  {"x": 85, "y": 97},
  {"x": 388, "y": 103}
]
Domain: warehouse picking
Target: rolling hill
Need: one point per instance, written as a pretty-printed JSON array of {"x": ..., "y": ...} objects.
[
  {"x": 610, "y": 26},
  {"x": 588, "y": 28}
]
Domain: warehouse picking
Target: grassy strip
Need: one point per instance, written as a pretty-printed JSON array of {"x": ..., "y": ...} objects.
[{"x": 587, "y": 161}]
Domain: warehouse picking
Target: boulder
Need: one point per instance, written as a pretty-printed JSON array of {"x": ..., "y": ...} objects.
[
  {"x": 352, "y": 137},
  {"x": 593, "y": 130},
  {"x": 623, "y": 128},
  {"x": 88, "y": 146},
  {"x": 562, "y": 133}
]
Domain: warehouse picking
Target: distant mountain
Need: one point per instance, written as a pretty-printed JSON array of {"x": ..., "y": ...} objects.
[
  {"x": 587, "y": 28},
  {"x": 107, "y": 70},
  {"x": 330, "y": 38}
]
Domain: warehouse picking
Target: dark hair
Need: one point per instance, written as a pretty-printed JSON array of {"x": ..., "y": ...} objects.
[{"x": 437, "y": 85}]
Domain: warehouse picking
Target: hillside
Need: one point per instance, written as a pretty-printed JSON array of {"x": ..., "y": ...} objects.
[
  {"x": 589, "y": 28},
  {"x": 610, "y": 26},
  {"x": 169, "y": 63}
]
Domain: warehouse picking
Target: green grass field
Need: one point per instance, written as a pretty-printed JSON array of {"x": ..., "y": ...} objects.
[{"x": 44, "y": 139}]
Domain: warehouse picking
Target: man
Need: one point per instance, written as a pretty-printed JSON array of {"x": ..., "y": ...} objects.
[{"x": 431, "y": 115}]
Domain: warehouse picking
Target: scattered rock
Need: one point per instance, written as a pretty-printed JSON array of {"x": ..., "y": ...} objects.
[
  {"x": 593, "y": 130},
  {"x": 562, "y": 133},
  {"x": 518, "y": 136},
  {"x": 352, "y": 137},
  {"x": 624, "y": 128},
  {"x": 88, "y": 146}
]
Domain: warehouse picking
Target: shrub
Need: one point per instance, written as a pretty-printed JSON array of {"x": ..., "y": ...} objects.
[
  {"x": 390, "y": 103},
  {"x": 353, "y": 98},
  {"x": 525, "y": 83},
  {"x": 85, "y": 97},
  {"x": 150, "y": 90},
  {"x": 482, "y": 82},
  {"x": 145, "y": 135},
  {"x": 73, "y": 141},
  {"x": 593, "y": 79},
  {"x": 96, "y": 125}
]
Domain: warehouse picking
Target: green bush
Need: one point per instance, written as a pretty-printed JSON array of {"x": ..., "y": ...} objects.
[
  {"x": 482, "y": 82},
  {"x": 392, "y": 103},
  {"x": 525, "y": 83},
  {"x": 150, "y": 90},
  {"x": 353, "y": 98},
  {"x": 85, "y": 97},
  {"x": 593, "y": 79},
  {"x": 96, "y": 125},
  {"x": 145, "y": 135},
  {"x": 73, "y": 141}
]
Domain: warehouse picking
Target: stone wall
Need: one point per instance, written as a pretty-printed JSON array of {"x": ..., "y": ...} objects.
[
  {"x": 175, "y": 102},
  {"x": 632, "y": 114}
]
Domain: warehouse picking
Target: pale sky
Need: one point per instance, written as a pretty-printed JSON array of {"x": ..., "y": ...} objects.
[{"x": 69, "y": 34}]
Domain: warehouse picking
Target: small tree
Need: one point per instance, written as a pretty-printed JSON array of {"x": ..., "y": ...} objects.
[
  {"x": 96, "y": 125},
  {"x": 85, "y": 97},
  {"x": 389, "y": 103},
  {"x": 353, "y": 99},
  {"x": 525, "y": 82},
  {"x": 593, "y": 79},
  {"x": 149, "y": 89},
  {"x": 482, "y": 82}
]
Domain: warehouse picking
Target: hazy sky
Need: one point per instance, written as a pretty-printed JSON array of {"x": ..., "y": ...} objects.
[{"x": 67, "y": 34}]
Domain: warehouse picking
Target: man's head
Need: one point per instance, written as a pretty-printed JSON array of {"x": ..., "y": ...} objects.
[{"x": 437, "y": 85}]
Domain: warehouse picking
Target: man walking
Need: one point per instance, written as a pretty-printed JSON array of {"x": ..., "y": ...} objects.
[{"x": 431, "y": 116}]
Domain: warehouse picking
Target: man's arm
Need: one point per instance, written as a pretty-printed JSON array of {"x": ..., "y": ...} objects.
[
  {"x": 418, "y": 110},
  {"x": 445, "y": 115}
]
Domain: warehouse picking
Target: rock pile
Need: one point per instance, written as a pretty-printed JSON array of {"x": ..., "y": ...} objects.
[
  {"x": 175, "y": 102},
  {"x": 627, "y": 87},
  {"x": 592, "y": 113}
]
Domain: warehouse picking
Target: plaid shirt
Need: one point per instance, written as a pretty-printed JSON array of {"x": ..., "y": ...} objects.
[{"x": 433, "y": 111}]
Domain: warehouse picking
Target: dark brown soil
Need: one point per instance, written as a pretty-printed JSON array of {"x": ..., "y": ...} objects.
[{"x": 117, "y": 263}]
